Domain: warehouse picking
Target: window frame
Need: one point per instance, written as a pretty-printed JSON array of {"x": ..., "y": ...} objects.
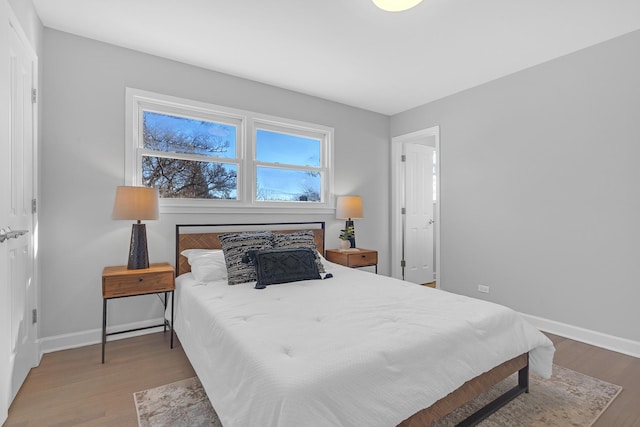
[
  {"x": 262, "y": 123},
  {"x": 247, "y": 123}
]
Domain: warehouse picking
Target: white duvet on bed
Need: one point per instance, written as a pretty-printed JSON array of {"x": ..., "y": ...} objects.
[{"x": 358, "y": 349}]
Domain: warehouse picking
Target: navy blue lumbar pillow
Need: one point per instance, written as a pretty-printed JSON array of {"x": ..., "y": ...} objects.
[{"x": 283, "y": 265}]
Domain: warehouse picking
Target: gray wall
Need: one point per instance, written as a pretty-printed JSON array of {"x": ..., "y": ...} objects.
[
  {"x": 540, "y": 182},
  {"x": 83, "y": 162}
]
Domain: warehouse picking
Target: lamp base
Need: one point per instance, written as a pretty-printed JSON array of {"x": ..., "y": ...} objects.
[
  {"x": 349, "y": 225},
  {"x": 138, "y": 254}
]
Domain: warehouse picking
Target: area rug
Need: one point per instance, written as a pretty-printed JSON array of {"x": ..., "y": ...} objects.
[
  {"x": 567, "y": 399},
  {"x": 180, "y": 404}
]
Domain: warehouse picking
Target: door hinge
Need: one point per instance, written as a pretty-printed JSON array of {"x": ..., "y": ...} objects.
[
  {"x": 403, "y": 263},
  {"x": 403, "y": 211},
  {"x": 403, "y": 158},
  {"x": 34, "y": 95},
  {"x": 34, "y": 316},
  {"x": 34, "y": 206}
]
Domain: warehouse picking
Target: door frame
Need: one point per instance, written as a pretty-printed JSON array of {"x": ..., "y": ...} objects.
[{"x": 397, "y": 197}]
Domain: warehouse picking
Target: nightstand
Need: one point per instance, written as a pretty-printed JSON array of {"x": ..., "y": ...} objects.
[
  {"x": 350, "y": 258},
  {"x": 120, "y": 282}
]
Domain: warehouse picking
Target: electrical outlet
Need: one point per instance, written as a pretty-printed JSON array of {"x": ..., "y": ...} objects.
[{"x": 483, "y": 288}]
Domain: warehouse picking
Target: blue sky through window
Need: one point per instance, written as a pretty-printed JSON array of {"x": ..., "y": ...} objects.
[
  {"x": 275, "y": 147},
  {"x": 287, "y": 184},
  {"x": 187, "y": 135},
  {"x": 283, "y": 179}
]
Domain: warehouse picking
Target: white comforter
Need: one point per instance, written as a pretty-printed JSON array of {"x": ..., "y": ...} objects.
[{"x": 358, "y": 349}]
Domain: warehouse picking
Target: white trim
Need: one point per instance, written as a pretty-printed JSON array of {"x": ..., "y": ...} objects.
[
  {"x": 198, "y": 206},
  {"x": 94, "y": 336},
  {"x": 246, "y": 122},
  {"x": 396, "y": 198},
  {"x": 598, "y": 339},
  {"x": 135, "y": 99}
]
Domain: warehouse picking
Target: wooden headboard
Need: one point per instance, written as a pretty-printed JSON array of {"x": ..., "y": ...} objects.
[{"x": 205, "y": 236}]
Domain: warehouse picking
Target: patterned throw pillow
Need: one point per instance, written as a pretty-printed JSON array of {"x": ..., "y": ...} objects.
[
  {"x": 283, "y": 266},
  {"x": 235, "y": 246},
  {"x": 300, "y": 239}
]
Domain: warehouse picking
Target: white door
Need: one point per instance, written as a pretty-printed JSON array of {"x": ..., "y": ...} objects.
[
  {"x": 16, "y": 215},
  {"x": 418, "y": 218},
  {"x": 5, "y": 156}
]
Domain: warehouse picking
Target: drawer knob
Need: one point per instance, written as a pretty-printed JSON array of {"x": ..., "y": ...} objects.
[{"x": 140, "y": 279}]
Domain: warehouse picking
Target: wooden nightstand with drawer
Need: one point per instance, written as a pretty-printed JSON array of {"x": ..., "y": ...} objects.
[
  {"x": 119, "y": 282},
  {"x": 351, "y": 258}
]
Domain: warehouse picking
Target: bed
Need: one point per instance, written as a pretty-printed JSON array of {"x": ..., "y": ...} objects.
[{"x": 354, "y": 349}]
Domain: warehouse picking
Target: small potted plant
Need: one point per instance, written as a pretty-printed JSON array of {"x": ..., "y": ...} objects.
[{"x": 346, "y": 236}]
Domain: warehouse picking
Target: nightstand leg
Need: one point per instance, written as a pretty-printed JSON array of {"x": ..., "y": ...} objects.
[
  {"x": 104, "y": 326},
  {"x": 164, "y": 322},
  {"x": 171, "y": 325}
]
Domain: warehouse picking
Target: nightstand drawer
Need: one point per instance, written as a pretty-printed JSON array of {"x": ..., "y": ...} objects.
[
  {"x": 118, "y": 282},
  {"x": 360, "y": 258},
  {"x": 363, "y": 259}
]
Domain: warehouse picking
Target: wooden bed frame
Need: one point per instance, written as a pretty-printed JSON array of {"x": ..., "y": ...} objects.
[
  {"x": 195, "y": 236},
  {"x": 209, "y": 240}
]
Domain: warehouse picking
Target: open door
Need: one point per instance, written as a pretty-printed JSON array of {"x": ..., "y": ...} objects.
[
  {"x": 418, "y": 236},
  {"x": 415, "y": 194},
  {"x": 17, "y": 215}
]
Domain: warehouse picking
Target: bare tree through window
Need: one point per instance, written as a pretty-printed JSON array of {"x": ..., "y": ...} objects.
[{"x": 176, "y": 146}]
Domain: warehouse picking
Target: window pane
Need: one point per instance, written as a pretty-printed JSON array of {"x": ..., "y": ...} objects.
[
  {"x": 176, "y": 178},
  {"x": 274, "y": 147},
  {"x": 162, "y": 132},
  {"x": 288, "y": 185}
]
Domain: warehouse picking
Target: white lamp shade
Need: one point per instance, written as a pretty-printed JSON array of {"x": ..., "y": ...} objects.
[
  {"x": 349, "y": 207},
  {"x": 396, "y": 5},
  {"x": 136, "y": 203}
]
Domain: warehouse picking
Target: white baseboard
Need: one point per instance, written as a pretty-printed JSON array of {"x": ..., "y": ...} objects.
[
  {"x": 599, "y": 339},
  {"x": 94, "y": 336}
]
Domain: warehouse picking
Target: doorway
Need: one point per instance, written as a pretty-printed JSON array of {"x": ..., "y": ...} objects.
[{"x": 415, "y": 215}]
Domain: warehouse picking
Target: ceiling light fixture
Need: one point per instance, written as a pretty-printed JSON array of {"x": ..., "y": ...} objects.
[{"x": 396, "y": 5}]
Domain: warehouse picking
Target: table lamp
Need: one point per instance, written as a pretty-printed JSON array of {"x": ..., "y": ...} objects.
[
  {"x": 349, "y": 208},
  {"x": 136, "y": 203}
]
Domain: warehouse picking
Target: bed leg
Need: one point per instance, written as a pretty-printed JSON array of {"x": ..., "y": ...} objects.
[
  {"x": 523, "y": 378},
  {"x": 500, "y": 401}
]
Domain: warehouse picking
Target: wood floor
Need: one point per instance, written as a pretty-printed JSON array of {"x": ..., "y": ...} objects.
[
  {"x": 609, "y": 366},
  {"x": 72, "y": 387}
]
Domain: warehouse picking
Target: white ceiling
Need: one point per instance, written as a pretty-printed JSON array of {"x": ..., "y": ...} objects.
[{"x": 348, "y": 50}]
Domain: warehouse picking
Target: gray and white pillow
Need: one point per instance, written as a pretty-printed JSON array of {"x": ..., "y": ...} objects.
[
  {"x": 235, "y": 246},
  {"x": 299, "y": 239}
]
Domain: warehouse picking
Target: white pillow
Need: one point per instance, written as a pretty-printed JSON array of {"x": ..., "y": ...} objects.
[{"x": 207, "y": 265}]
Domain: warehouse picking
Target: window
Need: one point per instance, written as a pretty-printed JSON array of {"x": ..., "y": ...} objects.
[
  {"x": 288, "y": 167},
  {"x": 204, "y": 157},
  {"x": 188, "y": 158}
]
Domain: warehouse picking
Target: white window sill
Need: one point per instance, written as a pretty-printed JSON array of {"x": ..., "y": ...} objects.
[{"x": 168, "y": 206}]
